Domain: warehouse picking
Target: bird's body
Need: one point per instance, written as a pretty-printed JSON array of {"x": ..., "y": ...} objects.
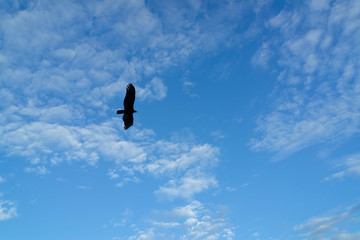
[{"x": 128, "y": 106}]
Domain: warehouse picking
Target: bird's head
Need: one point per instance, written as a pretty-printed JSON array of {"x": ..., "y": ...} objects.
[{"x": 135, "y": 111}]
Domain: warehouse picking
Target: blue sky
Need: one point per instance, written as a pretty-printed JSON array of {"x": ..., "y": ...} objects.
[{"x": 247, "y": 126}]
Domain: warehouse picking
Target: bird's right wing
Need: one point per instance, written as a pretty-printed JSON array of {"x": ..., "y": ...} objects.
[
  {"x": 129, "y": 97},
  {"x": 128, "y": 120}
]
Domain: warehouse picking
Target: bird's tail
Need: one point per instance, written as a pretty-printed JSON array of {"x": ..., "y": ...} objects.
[{"x": 120, "y": 111}]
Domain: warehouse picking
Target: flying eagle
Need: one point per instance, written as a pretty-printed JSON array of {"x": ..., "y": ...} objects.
[{"x": 128, "y": 106}]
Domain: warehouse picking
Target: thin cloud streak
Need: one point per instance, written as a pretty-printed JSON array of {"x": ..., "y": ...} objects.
[
  {"x": 330, "y": 227},
  {"x": 350, "y": 166}
]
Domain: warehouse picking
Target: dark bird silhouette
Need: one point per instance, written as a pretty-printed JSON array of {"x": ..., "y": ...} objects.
[{"x": 128, "y": 106}]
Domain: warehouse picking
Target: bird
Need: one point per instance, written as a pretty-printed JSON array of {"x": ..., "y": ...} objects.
[{"x": 128, "y": 106}]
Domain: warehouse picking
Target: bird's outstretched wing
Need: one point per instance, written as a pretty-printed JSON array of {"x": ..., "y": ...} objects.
[
  {"x": 129, "y": 98},
  {"x": 128, "y": 120}
]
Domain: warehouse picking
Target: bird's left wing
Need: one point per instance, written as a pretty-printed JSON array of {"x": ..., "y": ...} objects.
[{"x": 129, "y": 97}]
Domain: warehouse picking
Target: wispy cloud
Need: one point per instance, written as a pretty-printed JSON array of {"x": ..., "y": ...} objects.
[
  {"x": 127, "y": 180},
  {"x": 230, "y": 189},
  {"x": 351, "y": 167},
  {"x": 317, "y": 98},
  {"x": 330, "y": 227},
  {"x": 40, "y": 170},
  {"x": 218, "y": 134},
  {"x": 262, "y": 56},
  {"x": 8, "y": 210},
  {"x": 188, "y": 85},
  {"x": 83, "y": 187}
]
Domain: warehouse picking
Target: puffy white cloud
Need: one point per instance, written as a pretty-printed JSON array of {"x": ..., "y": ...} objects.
[
  {"x": 189, "y": 211},
  {"x": 191, "y": 221},
  {"x": 201, "y": 224},
  {"x": 186, "y": 167},
  {"x": 113, "y": 174},
  {"x": 187, "y": 186},
  {"x": 153, "y": 90},
  {"x": 145, "y": 235}
]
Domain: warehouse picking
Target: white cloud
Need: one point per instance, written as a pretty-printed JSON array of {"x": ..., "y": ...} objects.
[
  {"x": 153, "y": 90},
  {"x": 86, "y": 59},
  {"x": 187, "y": 186},
  {"x": 6, "y": 97},
  {"x": 320, "y": 228},
  {"x": 262, "y": 56},
  {"x": 56, "y": 143},
  {"x": 188, "y": 86},
  {"x": 113, "y": 174},
  {"x": 351, "y": 167},
  {"x": 145, "y": 235},
  {"x": 218, "y": 134},
  {"x": 279, "y": 19},
  {"x": 8, "y": 210},
  {"x": 230, "y": 189},
  {"x": 320, "y": 4},
  {"x": 167, "y": 224},
  {"x": 40, "y": 170},
  {"x": 345, "y": 236},
  {"x": 192, "y": 221},
  {"x": 72, "y": 69},
  {"x": 209, "y": 228},
  {"x": 186, "y": 167},
  {"x": 317, "y": 97},
  {"x": 126, "y": 180},
  {"x": 52, "y": 114},
  {"x": 261, "y": 4},
  {"x": 2, "y": 180},
  {"x": 340, "y": 174},
  {"x": 313, "y": 36},
  {"x": 179, "y": 157},
  {"x": 189, "y": 211},
  {"x": 83, "y": 187}
]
